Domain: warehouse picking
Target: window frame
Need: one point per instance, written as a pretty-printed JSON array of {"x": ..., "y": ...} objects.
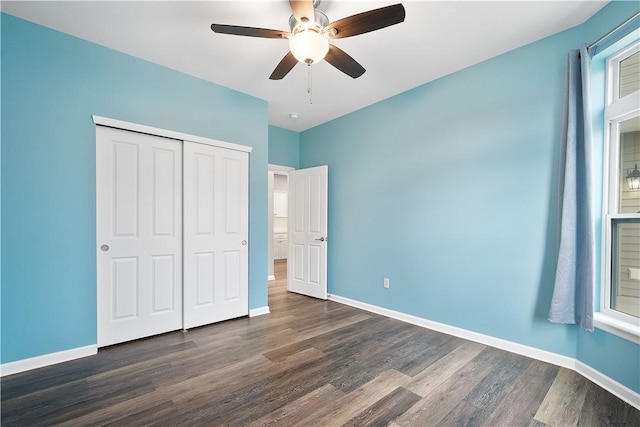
[{"x": 616, "y": 111}]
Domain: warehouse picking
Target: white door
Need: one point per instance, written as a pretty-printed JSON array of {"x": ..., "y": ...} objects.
[
  {"x": 139, "y": 235},
  {"x": 215, "y": 234},
  {"x": 307, "y": 269}
]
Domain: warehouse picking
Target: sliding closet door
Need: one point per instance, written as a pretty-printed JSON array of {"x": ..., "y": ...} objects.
[
  {"x": 216, "y": 194},
  {"x": 139, "y": 235}
]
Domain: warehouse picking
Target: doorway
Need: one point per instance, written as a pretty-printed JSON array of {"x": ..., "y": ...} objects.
[
  {"x": 302, "y": 212},
  {"x": 278, "y": 188}
]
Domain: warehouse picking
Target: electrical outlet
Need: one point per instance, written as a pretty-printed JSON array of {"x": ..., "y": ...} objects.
[{"x": 385, "y": 283}]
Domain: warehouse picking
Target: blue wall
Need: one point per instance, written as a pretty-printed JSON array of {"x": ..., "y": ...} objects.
[
  {"x": 284, "y": 147},
  {"x": 451, "y": 189},
  {"x": 51, "y": 86}
]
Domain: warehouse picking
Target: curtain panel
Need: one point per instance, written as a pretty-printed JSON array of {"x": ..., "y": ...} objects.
[{"x": 572, "y": 301}]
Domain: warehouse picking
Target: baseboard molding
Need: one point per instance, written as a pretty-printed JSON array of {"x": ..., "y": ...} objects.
[
  {"x": 259, "y": 311},
  {"x": 617, "y": 389},
  {"x": 75, "y": 353},
  {"x": 612, "y": 386},
  {"x": 47, "y": 359},
  {"x": 271, "y": 278}
]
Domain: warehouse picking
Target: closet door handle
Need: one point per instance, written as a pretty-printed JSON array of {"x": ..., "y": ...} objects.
[
  {"x": 244, "y": 243},
  {"x": 322, "y": 239}
]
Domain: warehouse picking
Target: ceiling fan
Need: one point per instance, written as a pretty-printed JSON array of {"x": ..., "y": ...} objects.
[{"x": 311, "y": 32}]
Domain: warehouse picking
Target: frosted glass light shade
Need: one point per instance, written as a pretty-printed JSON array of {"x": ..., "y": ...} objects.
[
  {"x": 633, "y": 179},
  {"x": 309, "y": 46}
]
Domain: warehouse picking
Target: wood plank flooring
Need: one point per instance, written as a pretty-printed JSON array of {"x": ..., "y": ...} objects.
[{"x": 308, "y": 363}]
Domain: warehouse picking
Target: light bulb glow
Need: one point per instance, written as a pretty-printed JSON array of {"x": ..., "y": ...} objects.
[{"x": 309, "y": 46}]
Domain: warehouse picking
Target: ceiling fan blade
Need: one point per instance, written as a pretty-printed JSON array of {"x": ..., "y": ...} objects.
[
  {"x": 303, "y": 10},
  {"x": 366, "y": 21},
  {"x": 343, "y": 62},
  {"x": 249, "y": 31},
  {"x": 282, "y": 69}
]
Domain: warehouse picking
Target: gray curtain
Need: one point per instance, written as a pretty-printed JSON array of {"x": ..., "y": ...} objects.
[{"x": 572, "y": 300}]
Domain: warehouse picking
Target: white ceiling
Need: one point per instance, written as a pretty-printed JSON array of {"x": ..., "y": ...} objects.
[{"x": 436, "y": 39}]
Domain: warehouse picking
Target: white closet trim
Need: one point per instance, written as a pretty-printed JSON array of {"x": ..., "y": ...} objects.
[
  {"x": 278, "y": 168},
  {"x": 120, "y": 124}
]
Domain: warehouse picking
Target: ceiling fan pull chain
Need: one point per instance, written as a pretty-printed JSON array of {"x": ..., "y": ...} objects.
[{"x": 309, "y": 84}]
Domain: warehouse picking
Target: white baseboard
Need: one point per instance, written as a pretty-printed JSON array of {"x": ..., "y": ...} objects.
[
  {"x": 47, "y": 359},
  {"x": 75, "y": 353},
  {"x": 617, "y": 389},
  {"x": 270, "y": 278},
  {"x": 259, "y": 311},
  {"x": 612, "y": 386}
]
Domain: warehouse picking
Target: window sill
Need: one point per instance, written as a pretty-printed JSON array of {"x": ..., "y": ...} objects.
[{"x": 627, "y": 330}]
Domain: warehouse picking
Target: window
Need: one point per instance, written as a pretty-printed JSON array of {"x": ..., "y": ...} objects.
[{"x": 620, "y": 293}]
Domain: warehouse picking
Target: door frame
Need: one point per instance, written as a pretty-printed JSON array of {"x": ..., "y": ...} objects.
[{"x": 272, "y": 170}]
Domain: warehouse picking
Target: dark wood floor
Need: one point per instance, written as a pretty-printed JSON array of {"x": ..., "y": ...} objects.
[{"x": 309, "y": 362}]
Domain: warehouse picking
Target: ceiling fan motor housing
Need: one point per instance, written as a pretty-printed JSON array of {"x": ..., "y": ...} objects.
[{"x": 320, "y": 19}]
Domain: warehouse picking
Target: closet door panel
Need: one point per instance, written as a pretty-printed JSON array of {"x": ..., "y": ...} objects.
[
  {"x": 204, "y": 279},
  {"x": 232, "y": 275},
  {"x": 164, "y": 203},
  {"x": 232, "y": 197},
  {"x": 139, "y": 235},
  {"x": 215, "y": 234},
  {"x": 163, "y": 283}
]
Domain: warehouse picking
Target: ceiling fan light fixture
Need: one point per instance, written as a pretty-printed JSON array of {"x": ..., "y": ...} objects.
[
  {"x": 309, "y": 38},
  {"x": 309, "y": 46}
]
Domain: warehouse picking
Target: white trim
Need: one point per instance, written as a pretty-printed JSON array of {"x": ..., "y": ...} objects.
[
  {"x": 613, "y": 76},
  {"x": 259, "y": 311},
  {"x": 612, "y": 386},
  {"x": 619, "y": 390},
  {"x": 624, "y": 216},
  {"x": 278, "y": 168},
  {"x": 120, "y": 124},
  {"x": 47, "y": 359},
  {"x": 618, "y": 327},
  {"x": 524, "y": 350}
]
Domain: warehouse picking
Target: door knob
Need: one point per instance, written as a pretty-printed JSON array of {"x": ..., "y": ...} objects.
[
  {"x": 104, "y": 248},
  {"x": 244, "y": 242},
  {"x": 322, "y": 239}
]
